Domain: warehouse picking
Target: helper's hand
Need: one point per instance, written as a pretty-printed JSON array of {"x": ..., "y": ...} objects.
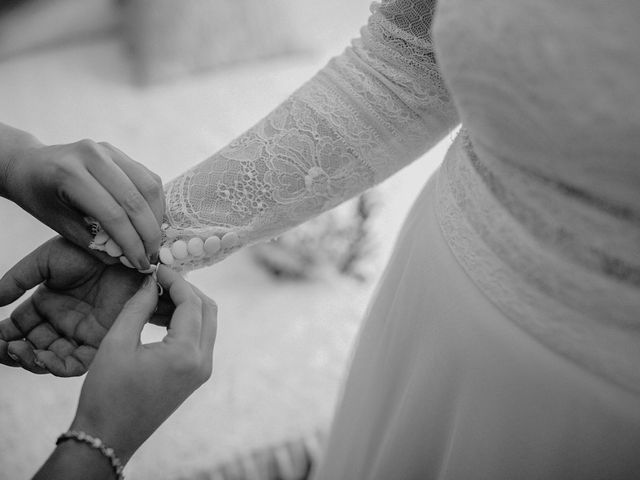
[
  {"x": 59, "y": 328},
  {"x": 61, "y": 185},
  {"x": 132, "y": 388}
]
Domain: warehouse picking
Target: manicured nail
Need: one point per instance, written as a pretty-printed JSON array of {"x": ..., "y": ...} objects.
[
  {"x": 125, "y": 261},
  {"x": 143, "y": 264},
  {"x": 112, "y": 248}
]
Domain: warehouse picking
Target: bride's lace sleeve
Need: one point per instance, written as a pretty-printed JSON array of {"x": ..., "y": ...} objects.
[{"x": 369, "y": 112}]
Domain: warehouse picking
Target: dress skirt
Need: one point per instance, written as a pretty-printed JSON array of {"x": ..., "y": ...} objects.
[{"x": 442, "y": 385}]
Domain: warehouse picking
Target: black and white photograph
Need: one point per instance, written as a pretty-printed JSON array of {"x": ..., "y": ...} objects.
[{"x": 319, "y": 240}]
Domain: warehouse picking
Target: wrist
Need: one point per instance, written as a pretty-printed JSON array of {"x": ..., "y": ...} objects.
[
  {"x": 73, "y": 460},
  {"x": 117, "y": 439},
  {"x": 16, "y": 145}
]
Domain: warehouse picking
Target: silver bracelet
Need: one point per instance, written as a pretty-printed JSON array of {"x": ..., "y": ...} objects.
[{"x": 99, "y": 445}]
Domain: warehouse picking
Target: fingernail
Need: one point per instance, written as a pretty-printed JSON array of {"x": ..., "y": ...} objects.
[
  {"x": 13, "y": 357},
  {"x": 142, "y": 264},
  {"x": 125, "y": 261},
  {"x": 39, "y": 362}
]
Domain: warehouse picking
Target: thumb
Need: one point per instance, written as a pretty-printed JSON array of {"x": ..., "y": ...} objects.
[
  {"x": 24, "y": 275},
  {"x": 136, "y": 312}
]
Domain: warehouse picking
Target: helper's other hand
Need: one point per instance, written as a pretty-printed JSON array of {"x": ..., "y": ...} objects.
[
  {"x": 59, "y": 328},
  {"x": 132, "y": 388},
  {"x": 61, "y": 185}
]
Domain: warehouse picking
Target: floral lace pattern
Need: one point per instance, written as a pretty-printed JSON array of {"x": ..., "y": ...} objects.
[{"x": 369, "y": 112}]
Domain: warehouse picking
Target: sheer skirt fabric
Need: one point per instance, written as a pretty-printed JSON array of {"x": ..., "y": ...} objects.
[{"x": 443, "y": 385}]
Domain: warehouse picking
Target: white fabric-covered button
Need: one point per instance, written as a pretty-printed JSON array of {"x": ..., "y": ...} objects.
[
  {"x": 212, "y": 245},
  {"x": 179, "y": 249},
  {"x": 229, "y": 240},
  {"x": 195, "y": 246},
  {"x": 125, "y": 261},
  {"x": 112, "y": 248},
  {"x": 101, "y": 238},
  {"x": 165, "y": 256}
]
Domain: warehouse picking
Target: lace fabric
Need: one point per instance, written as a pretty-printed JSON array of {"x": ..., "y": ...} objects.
[
  {"x": 564, "y": 271},
  {"x": 585, "y": 314},
  {"x": 368, "y": 113}
]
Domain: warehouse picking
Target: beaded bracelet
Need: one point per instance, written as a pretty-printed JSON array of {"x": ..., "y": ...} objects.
[{"x": 99, "y": 445}]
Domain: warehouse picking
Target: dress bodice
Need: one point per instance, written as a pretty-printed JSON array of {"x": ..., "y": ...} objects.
[
  {"x": 540, "y": 195},
  {"x": 550, "y": 86}
]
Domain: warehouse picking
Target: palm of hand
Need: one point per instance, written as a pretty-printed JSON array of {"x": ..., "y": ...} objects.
[
  {"x": 68, "y": 324},
  {"x": 59, "y": 328}
]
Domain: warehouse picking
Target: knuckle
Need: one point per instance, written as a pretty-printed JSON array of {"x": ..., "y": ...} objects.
[
  {"x": 157, "y": 178},
  {"x": 133, "y": 202},
  {"x": 113, "y": 214},
  {"x": 65, "y": 166},
  {"x": 87, "y": 146},
  {"x": 186, "y": 361},
  {"x": 63, "y": 192},
  {"x": 151, "y": 188},
  {"x": 192, "y": 308},
  {"x": 91, "y": 151}
]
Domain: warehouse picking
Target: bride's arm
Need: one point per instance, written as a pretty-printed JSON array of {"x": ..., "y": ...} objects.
[{"x": 369, "y": 112}]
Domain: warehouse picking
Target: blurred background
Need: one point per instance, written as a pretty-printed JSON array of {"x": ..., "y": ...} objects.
[{"x": 170, "y": 82}]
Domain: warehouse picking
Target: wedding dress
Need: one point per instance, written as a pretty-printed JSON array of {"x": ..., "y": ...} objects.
[{"x": 504, "y": 338}]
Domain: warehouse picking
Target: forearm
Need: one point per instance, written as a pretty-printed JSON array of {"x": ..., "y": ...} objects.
[
  {"x": 73, "y": 460},
  {"x": 368, "y": 113},
  {"x": 13, "y": 142}
]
